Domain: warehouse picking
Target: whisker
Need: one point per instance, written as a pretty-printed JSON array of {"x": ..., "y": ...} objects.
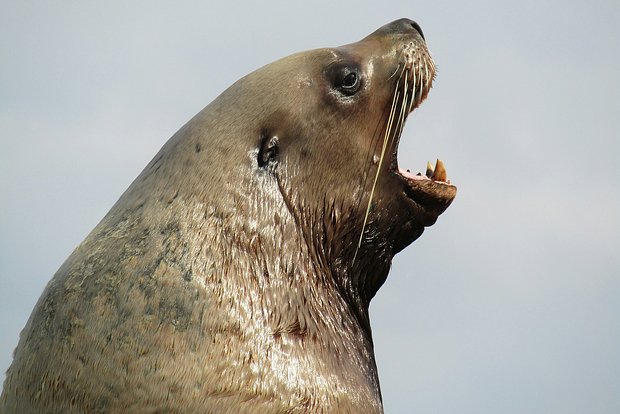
[
  {"x": 374, "y": 184},
  {"x": 403, "y": 106},
  {"x": 413, "y": 92},
  {"x": 416, "y": 83},
  {"x": 373, "y": 145},
  {"x": 403, "y": 113},
  {"x": 396, "y": 71}
]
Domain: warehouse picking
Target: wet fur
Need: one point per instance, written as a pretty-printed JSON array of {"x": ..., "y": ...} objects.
[{"x": 219, "y": 284}]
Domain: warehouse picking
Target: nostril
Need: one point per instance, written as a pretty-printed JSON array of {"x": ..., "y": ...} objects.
[{"x": 417, "y": 28}]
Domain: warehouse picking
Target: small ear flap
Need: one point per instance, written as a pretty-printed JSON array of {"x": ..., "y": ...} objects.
[{"x": 268, "y": 150}]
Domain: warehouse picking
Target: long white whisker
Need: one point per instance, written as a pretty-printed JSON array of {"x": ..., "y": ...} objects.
[
  {"x": 403, "y": 107},
  {"x": 401, "y": 115},
  {"x": 413, "y": 92},
  {"x": 374, "y": 184},
  {"x": 411, "y": 95},
  {"x": 396, "y": 71}
]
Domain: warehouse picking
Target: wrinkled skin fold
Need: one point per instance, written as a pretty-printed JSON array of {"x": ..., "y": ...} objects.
[{"x": 235, "y": 273}]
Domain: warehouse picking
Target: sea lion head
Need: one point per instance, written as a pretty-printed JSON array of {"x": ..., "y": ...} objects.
[
  {"x": 329, "y": 138},
  {"x": 310, "y": 147}
]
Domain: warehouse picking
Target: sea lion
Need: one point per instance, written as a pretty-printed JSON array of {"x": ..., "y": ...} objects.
[{"x": 235, "y": 273}]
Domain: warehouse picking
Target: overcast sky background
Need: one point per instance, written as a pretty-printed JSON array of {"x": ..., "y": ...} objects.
[{"x": 509, "y": 304}]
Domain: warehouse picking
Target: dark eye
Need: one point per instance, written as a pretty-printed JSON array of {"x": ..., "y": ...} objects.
[
  {"x": 350, "y": 80},
  {"x": 346, "y": 79}
]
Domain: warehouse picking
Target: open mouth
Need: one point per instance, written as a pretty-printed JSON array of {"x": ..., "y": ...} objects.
[{"x": 432, "y": 191}]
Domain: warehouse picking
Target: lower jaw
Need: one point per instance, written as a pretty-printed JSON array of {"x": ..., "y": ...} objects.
[{"x": 409, "y": 232}]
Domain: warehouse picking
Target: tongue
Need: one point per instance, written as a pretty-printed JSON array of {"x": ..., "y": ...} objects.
[{"x": 436, "y": 173}]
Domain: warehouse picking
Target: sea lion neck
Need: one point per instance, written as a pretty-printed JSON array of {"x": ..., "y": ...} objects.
[{"x": 271, "y": 284}]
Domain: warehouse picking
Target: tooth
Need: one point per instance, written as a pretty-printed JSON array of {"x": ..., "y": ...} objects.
[
  {"x": 440, "y": 171},
  {"x": 429, "y": 169}
]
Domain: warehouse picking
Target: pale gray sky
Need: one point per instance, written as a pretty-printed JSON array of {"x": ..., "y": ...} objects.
[{"x": 509, "y": 304}]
